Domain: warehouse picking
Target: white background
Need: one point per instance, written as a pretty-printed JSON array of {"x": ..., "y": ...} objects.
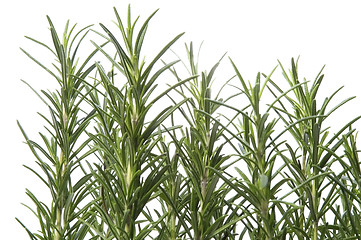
[{"x": 254, "y": 33}]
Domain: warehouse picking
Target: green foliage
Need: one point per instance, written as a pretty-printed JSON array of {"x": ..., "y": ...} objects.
[{"x": 122, "y": 159}]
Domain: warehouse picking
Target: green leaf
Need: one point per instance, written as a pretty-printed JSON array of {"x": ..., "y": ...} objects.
[{"x": 159, "y": 55}]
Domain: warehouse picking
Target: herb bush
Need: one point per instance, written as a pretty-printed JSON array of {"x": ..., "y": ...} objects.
[{"x": 138, "y": 149}]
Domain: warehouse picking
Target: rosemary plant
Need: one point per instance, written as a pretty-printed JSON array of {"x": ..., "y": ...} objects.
[
  {"x": 138, "y": 149},
  {"x": 62, "y": 151}
]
